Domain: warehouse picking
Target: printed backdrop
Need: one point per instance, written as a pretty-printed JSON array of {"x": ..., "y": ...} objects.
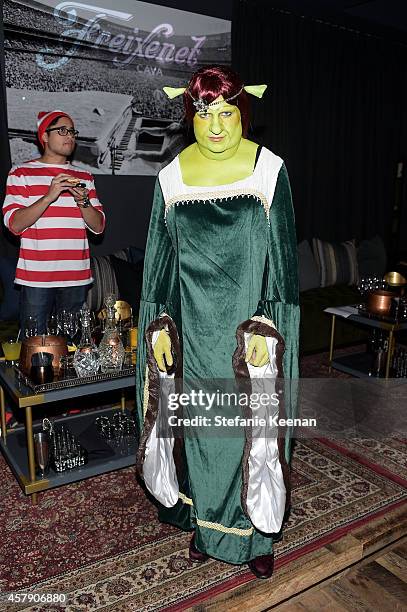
[{"x": 106, "y": 66}]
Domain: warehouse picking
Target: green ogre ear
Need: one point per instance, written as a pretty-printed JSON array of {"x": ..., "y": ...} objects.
[
  {"x": 173, "y": 92},
  {"x": 255, "y": 90}
]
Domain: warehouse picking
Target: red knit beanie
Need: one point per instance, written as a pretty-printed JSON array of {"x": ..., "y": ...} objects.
[{"x": 45, "y": 118}]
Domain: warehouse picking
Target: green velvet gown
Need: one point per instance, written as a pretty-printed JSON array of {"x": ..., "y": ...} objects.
[{"x": 215, "y": 257}]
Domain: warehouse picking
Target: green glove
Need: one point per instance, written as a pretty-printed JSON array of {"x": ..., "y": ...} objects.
[
  {"x": 257, "y": 353},
  {"x": 163, "y": 348}
]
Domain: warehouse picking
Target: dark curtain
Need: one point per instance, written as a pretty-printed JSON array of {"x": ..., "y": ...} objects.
[
  {"x": 334, "y": 113},
  {"x": 400, "y": 226}
]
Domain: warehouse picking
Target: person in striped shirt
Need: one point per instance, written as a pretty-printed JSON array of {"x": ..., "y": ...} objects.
[{"x": 51, "y": 204}]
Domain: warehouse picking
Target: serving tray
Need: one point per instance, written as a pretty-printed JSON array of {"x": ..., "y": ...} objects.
[{"x": 75, "y": 381}]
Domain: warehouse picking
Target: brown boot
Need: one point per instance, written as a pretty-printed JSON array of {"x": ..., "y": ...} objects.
[
  {"x": 196, "y": 555},
  {"x": 262, "y": 567}
]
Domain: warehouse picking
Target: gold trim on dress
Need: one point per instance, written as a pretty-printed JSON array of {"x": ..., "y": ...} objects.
[
  {"x": 145, "y": 393},
  {"x": 223, "y": 529},
  {"x": 216, "y": 526},
  {"x": 217, "y": 195},
  {"x": 185, "y": 499}
]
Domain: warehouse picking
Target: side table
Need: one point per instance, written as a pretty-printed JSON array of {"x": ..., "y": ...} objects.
[
  {"x": 17, "y": 444},
  {"x": 358, "y": 364}
]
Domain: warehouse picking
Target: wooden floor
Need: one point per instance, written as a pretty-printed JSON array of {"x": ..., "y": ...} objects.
[
  {"x": 379, "y": 584},
  {"x": 366, "y": 570}
]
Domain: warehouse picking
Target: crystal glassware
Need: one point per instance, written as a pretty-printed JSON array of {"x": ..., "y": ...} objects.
[
  {"x": 30, "y": 327},
  {"x": 96, "y": 328},
  {"x": 66, "y": 451},
  {"x": 52, "y": 325},
  {"x": 367, "y": 284},
  {"x": 111, "y": 350},
  {"x": 86, "y": 359},
  {"x": 68, "y": 325},
  {"x": 66, "y": 368},
  {"x": 41, "y": 450}
]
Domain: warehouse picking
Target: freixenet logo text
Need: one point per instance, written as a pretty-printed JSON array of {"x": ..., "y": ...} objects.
[{"x": 126, "y": 46}]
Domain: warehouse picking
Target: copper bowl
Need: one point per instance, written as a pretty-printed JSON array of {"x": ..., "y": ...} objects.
[
  {"x": 379, "y": 302},
  {"x": 49, "y": 344}
]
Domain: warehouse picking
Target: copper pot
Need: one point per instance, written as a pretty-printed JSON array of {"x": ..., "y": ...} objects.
[
  {"x": 49, "y": 344},
  {"x": 379, "y": 302}
]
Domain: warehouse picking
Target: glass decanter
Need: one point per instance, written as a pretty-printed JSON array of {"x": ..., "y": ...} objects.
[
  {"x": 86, "y": 359},
  {"x": 111, "y": 349}
]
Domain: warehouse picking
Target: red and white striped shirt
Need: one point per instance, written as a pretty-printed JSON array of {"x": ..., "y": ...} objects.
[{"x": 54, "y": 251}]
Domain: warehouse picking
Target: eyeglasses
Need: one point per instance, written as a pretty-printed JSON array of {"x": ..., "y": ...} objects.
[{"x": 64, "y": 131}]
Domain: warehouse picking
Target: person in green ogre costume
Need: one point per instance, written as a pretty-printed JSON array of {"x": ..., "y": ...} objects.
[{"x": 219, "y": 301}]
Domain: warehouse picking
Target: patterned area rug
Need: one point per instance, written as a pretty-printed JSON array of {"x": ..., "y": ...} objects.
[
  {"x": 389, "y": 454},
  {"x": 99, "y": 540},
  {"x": 317, "y": 366}
]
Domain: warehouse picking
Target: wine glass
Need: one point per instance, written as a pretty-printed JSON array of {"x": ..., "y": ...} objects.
[
  {"x": 68, "y": 324},
  {"x": 62, "y": 318},
  {"x": 52, "y": 325},
  {"x": 74, "y": 326},
  {"x": 41, "y": 449},
  {"x": 30, "y": 327}
]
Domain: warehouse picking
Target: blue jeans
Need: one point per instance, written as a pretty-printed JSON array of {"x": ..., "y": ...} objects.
[{"x": 40, "y": 302}]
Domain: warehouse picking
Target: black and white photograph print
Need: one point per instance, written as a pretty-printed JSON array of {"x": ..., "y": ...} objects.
[{"x": 106, "y": 65}]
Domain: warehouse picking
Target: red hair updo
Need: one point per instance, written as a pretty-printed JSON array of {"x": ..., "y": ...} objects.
[{"x": 211, "y": 82}]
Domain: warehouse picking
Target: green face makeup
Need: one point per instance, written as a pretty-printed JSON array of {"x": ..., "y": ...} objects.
[{"x": 218, "y": 131}]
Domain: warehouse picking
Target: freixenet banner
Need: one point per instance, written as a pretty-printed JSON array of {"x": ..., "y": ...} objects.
[{"x": 105, "y": 64}]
